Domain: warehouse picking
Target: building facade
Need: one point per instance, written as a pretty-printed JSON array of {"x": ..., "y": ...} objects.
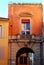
[
  {"x": 25, "y": 23},
  {"x": 3, "y": 41}
]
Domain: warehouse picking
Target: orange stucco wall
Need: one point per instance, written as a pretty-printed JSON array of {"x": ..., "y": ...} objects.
[
  {"x": 4, "y": 42},
  {"x": 14, "y": 12}
]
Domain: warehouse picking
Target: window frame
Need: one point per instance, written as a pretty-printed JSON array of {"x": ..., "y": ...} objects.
[
  {"x": 26, "y": 30},
  {"x": 25, "y": 17},
  {"x": 0, "y": 31}
]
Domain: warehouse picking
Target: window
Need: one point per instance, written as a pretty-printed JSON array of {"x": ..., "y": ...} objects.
[
  {"x": 0, "y": 31},
  {"x": 23, "y": 60},
  {"x": 25, "y": 28}
]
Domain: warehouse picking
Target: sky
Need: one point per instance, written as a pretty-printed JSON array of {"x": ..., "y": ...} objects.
[{"x": 4, "y": 5}]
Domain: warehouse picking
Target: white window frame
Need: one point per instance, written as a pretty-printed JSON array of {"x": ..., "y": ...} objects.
[
  {"x": 25, "y": 28},
  {"x": 21, "y": 24}
]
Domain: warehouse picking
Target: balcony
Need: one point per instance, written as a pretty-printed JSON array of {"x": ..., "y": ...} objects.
[{"x": 26, "y": 38}]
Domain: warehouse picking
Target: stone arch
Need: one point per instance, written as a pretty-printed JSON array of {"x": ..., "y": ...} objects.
[{"x": 21, "y": 51}]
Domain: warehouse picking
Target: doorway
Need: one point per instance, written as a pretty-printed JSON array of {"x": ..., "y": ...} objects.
[{"x": 23, "y": 56}]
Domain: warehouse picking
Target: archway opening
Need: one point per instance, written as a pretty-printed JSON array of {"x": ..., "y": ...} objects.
[{"x": 25, "y": 56}]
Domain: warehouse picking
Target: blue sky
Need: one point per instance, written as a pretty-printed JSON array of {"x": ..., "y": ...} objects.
[{"x": 4, "y": 5}]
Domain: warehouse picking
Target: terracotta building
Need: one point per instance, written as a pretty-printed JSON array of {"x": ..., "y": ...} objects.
[
  {"x": 25, "y": 22},
  {"x": 20, "y": 13}
]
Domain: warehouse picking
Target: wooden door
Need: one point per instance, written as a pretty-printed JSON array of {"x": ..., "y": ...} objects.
[{"x": 23, "y": 60}]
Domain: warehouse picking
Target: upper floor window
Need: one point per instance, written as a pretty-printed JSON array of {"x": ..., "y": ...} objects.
[
  {"x": 0, "y": 31},
  {"x": 26, "y": 28}
]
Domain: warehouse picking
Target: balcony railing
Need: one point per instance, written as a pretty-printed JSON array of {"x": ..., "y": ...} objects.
[{"x": 26, "y": 38}]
